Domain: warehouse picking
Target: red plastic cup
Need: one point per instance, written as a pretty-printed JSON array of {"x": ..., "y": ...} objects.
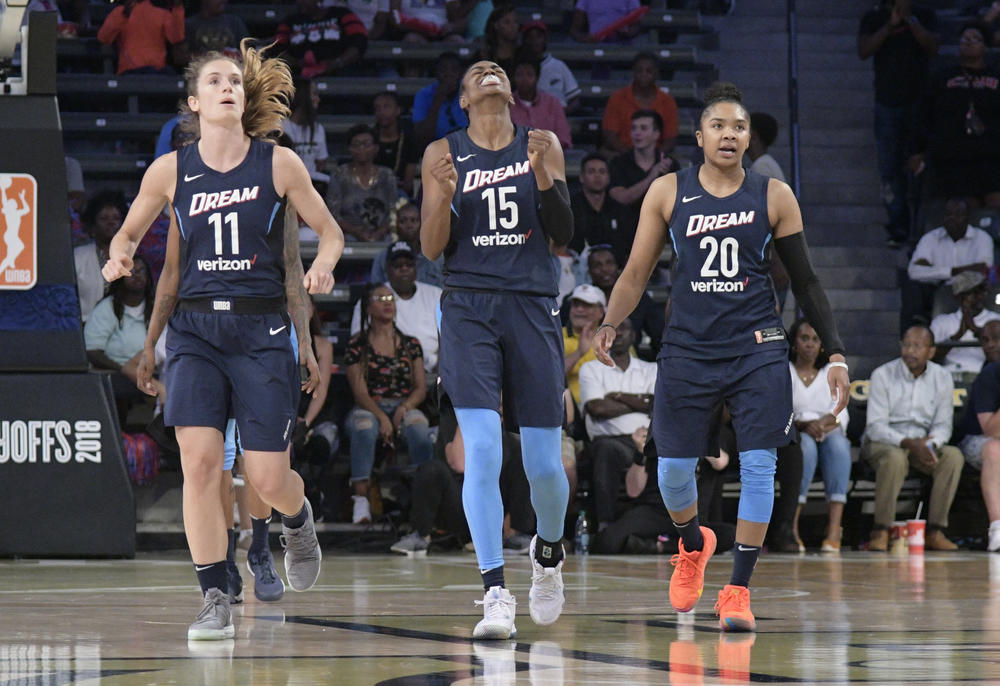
[{"x": 915, "y": 529}]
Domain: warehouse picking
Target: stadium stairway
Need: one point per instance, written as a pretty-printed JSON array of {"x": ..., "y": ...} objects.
[{"x": 839, "y": 183}]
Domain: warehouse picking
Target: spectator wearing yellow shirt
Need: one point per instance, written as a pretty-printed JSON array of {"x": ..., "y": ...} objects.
[{"x": 587, "y": 304}]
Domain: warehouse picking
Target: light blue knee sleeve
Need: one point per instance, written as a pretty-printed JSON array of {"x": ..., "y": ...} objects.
[
  {"x": 541, "y": 448},
  {"x": 481, "y": 434},
  {"x": 757, "y": 485},
  {"x": 677, "y": 485}
]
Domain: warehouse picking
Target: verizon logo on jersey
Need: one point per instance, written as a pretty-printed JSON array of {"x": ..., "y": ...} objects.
[
  {"x": 701, "y": 223},
  {"x": 206, "y": 202},
  {"x": 477, "y": 178}
]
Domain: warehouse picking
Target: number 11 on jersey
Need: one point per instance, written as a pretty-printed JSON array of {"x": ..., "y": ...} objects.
[{"x": 232, "y": 219}]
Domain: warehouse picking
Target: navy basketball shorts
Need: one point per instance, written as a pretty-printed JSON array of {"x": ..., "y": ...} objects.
[
  {"x": 233, "y": 365},
  {"x": 508, "y": 341},
  {"x": 756, "y": 388}
]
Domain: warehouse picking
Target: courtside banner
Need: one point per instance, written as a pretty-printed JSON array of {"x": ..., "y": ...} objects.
[{"x": 18, "y": 231}]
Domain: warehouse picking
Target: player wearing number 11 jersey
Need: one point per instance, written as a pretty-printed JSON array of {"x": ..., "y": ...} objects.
[{"x": 724, "y": 341}]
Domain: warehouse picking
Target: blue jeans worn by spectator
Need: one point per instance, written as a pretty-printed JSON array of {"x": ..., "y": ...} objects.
[
  {"x": 834, "y": 456},
  {"x": 892, "y": 136},
  {"x": 362, "y": 429}
]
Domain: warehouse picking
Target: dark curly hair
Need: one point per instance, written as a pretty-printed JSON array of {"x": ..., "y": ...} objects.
[{"x": 721, "y": 91}]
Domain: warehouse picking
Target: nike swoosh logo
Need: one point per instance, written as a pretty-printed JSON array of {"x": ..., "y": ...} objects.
[
  {"x": 555, "y": 312},
  {"x": 192, "y": 178},
  {"x": 202, "y": 569},
  {"x": 744, "y": 549},
  {"x": 687, "y": 199},
  {"x": 274, "y": 331},
  {"x": 463, "y": 159}
]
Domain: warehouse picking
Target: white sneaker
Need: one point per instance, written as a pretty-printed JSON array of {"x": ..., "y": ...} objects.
[
  {"x": 362, "y": 510},
  {"x": 547, "y": 594},
  {"x": 994, "y": 541},
  {"x": 498, "y": 615}
]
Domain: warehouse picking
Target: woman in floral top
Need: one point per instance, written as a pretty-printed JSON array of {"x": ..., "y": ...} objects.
[{"x": 385, "y": 369}]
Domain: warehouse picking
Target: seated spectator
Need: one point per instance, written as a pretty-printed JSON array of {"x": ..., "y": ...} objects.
[
  {"x": 554, "y": 76},
  {"x": 374, "y": 14},
  {"x": 101, "y": 220},
  {"x": 958, "y": 135},
  {"x": 436, "y": 111},
  {"x": 634, "y": 170},
  {"x": 822, "y": 436},
  {"x": 592, "y": 16},
  {"x": 587, "y": 304},
  {"x": 534, "y": 108},
  {"x": 408, "y": 230},
  {"x": 212, "y": 30},
  {"x": 385, "y": 370},
  {"x": 981, "y": 426},
  {"x": 641, "y": 94},
  {"x": 321, "y": 40},
  {"x": 964, "y": 324},
  {"x": 416, "y": 303},
  {"x": 910, "y": 408},
  {"x": 143, "y": 32},
  {"x": 942, "y": 253},
  {"x": 420, "y": 21},
  {"x": 616, "y": 401},
  {"x": 500, "y": 38},
  {"x": 647, "y": 317},
  {"x": 361, "y": 195},
  {"x": 597, "y": 217},
  {"x": 307, "y": 135},
  {"x": 115, "y": 332},
  {"x": 396, "y": 149}
]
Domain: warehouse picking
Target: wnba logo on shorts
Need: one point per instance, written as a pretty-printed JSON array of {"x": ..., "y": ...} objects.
[{"x": 18, "y": 231}]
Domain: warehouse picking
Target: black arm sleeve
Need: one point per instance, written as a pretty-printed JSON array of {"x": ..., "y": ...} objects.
[
  {"x": 557, "y": 216},
  {"x": 808, "y": 293}
]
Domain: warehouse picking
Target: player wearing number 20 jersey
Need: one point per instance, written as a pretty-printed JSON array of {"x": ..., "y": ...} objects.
[{"x": 723, "y": 302}]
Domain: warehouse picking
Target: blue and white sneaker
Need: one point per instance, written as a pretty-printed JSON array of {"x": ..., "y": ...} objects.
[{"x": 267, "y": 585}]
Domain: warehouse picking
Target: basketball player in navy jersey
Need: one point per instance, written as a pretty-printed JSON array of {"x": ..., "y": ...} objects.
[
  {"x": 239, "y": 274},
  {"x": 495, "y": 195},
  {"x": 724, "y": 339}
]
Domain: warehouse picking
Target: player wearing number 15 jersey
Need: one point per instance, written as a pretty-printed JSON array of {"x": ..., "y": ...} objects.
[
  {"x": 228, "y": 345},
  {"x": 494, "y": 194},
  {"x": 724, "y": 341}
]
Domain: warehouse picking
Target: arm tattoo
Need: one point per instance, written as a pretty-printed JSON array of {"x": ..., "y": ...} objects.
[{"x": 295, "y": 291}]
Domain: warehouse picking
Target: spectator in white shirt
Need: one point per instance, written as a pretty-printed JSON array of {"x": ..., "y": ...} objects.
[
  {"x": 617, "y": 402},
  {"x": 963, "y": 325},
  {"x": 940, "y": 255},
  {"x": 554, "y": 77},
  {"x": 822, "y": 436},
  {"x": 910, "y": 411},
  {"x": 416, "y": 303}
]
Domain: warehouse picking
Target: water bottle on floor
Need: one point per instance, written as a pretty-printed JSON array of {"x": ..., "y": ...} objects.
[{"x": 582, "y": 534}]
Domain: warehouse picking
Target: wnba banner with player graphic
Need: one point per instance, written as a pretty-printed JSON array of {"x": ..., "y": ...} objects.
[{"x": 18, "y": 231}]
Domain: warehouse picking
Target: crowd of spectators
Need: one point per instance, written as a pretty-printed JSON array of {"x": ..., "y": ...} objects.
[{"x": 935, "y": 115}]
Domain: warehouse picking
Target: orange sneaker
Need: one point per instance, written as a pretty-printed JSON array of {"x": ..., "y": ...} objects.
[
  {"x": 688, "y": 580},
  {"x": 734, "y": 656},
  {"x": 686, "y": 665},
  {"x": 733, "y": 609}
]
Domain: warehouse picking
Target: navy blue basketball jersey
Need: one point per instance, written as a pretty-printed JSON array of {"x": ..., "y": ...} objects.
[
  {"x": 231, "y": 225},
  {"x": 497, "y": 242},
  {"x": 723, "y": 302}
]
